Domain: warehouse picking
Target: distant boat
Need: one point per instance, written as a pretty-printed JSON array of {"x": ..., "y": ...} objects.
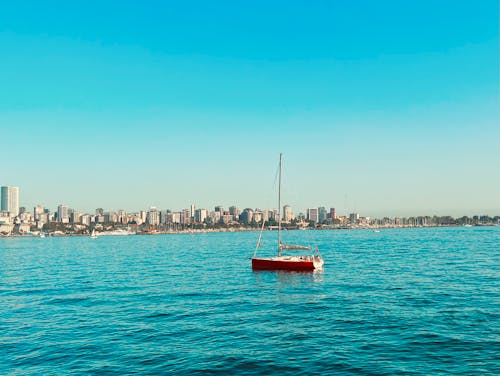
[
  {"x": 42, "y": 234},
  {"x": 376, "y": 230},
  {"x": 93, "y": 235},
  {"x": 306, "y": 262}
]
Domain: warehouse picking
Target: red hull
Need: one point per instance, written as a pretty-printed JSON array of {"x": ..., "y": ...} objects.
[{"x": 269, "y": 264}]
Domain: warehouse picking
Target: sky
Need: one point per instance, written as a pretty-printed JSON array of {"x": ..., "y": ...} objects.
[{"x": 380, "y": 107}]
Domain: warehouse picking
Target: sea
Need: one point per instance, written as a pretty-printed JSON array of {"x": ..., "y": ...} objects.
[{"x": 414, "y": 301}]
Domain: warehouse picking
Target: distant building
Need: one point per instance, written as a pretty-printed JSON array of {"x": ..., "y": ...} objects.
[
  {"x": 185, "y": 217},
  {"x": 200, "y": 215},
  {"x": 321, "y": 214},
  {"x": 153, "y": 217},
  {"x": 75, "y": 217},
  {"x": 257, "y": 216},
  {"x": 110, "y": 217},
  {"x": 38, "y": 212},
  {"x": 164, "y": 217},
  {"x": 235, "y": 212},
  {"x": 176, "y": 217},
  {"x": 272, "y": 214},
  {"x": 226, "y": 218},
  {"x": 85, "y": 219},
  {"x": 40, "y": 216},
  {"x": 4, "y": 217},
  {"x": 216, "y": 216},
  {"x": 287, "y": 213},
  {"x": 122, "y": 217},
  {"x": 265, "y": 215},
  {"x": 10, "y": 200},
  {"x": 246, "y": 216},
  {"x": 354, "y": 217},
  {"x": 63, "y": 214},
  {"x": 313, "y": 215},
  {"x": 333, "y": 214}
]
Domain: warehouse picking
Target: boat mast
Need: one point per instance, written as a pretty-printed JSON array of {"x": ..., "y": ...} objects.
[{"x": 279, "y": 212}]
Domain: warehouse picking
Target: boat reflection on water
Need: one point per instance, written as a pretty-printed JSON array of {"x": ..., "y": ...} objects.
[{"x": 290, "y": 277}]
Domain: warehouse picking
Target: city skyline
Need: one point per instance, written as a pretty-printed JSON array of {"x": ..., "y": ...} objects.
[
  {"x": 15, "y": 221},
  {"x": 381, "y": 108},
  {"x": 10, "y": 202}
]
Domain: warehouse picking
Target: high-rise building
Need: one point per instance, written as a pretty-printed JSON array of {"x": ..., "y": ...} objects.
[
  {"x": 313, "y": 215},
  {"x": 246, "y": 216},
  {"x": 200, "y": 215},
  {"x": 333, "y": 214},
  {"x": 176, "y": 217},
  {"x": 185, "y": 216},
  {"x": 85, "y": 219},
  {"x": 354, "y": 217},
  {"x": 40, "y": 216},
  {"x": 235, "y": 212},
  {"x": 257, "y": 216},
  {"x": 265, "y": 215},
  {"x": 122, "y": 216},
  {"x": 63, "y": 213},
  {"x": 38, "y": 212},
  {"x": 110, "y": 217},
  {"x": 10, "y": 200},
  {"x": 321, "y": 214},
  {"x": 153, "y": 217},
  {"x": 287, "y": 213}
]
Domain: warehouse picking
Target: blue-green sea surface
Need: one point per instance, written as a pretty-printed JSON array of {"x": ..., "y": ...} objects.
[{"x": 418, "y": 301}]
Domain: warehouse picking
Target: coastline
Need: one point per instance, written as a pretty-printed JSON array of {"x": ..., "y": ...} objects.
[{"x": 241, "y": 229}]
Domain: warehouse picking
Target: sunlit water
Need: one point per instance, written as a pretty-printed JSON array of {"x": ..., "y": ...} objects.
[{"x": 402, "y": 301}]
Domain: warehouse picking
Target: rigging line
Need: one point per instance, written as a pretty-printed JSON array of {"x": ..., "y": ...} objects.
[{"x": 260, "y": 238}]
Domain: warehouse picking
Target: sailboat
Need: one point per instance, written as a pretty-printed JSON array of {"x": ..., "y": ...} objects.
[{"x": 306, "y": 262}]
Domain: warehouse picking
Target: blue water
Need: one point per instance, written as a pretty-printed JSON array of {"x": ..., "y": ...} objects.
[{"x": 402, "y": 301}]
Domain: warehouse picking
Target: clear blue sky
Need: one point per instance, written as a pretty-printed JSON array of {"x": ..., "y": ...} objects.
[{"x": 384, "y": 107}]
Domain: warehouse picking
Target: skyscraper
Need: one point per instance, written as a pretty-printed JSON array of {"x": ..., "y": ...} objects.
[
  {"x": 321, "y": 214},
  {"x": 153, "y": 217},
  {"x": 63, "y": 213},
  {"x": 10, "y": 200},
  {"x": 313, "y": 214},
  {"x": 287, "y": 213}
]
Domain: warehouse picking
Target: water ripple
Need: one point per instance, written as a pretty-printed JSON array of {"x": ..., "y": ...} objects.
[{"x": 411, "y": 302}]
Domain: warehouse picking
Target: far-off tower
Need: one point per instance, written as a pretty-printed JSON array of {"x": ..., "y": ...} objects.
[{"x": 10, "y": 200}]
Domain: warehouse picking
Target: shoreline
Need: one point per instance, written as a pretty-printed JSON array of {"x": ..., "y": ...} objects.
[{"x": 222, "y": 230}]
